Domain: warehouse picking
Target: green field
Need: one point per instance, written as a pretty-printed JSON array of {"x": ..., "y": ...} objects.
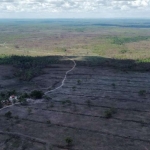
[{"x": 98, "y": 42}]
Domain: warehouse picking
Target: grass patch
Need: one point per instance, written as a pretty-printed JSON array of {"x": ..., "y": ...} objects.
[
  {"x": 123, "y": 51},
  {"x": 123, "y": 40}
]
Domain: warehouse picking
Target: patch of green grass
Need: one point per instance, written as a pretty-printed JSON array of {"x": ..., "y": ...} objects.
[{"x": 123, "y": 40}]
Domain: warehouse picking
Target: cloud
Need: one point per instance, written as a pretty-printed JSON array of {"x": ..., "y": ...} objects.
[
  {"x": 67, "y": 6},
  {"x": 132, "y": 4}
]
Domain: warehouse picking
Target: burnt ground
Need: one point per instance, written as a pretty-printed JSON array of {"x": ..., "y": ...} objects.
[{"x": 98, "y": 108}]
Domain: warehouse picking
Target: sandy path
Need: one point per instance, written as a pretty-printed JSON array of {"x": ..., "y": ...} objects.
[{"x": 63, "y": 81}]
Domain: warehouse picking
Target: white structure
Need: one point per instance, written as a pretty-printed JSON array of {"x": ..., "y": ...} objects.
[{"x": 13, "y": 99}]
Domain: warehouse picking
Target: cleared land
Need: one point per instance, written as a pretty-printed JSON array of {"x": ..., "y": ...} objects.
[{"x": 104, "y": 103}]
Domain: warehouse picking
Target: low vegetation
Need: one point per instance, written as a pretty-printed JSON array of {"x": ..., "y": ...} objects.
[
  {"x": 89, "y": 103},
  {"x": 28, "y": 67},
  {"x": 109, "y": 113},
  {"x": 67, "y": 102},
  {"x": 8, "y": 115},
  {"x": 142, "y": 92},
  {"x": 6, "y": 94},
  {"x": 36, "y": 94},
  {"x": 79, "y": 82},
  {"x": 69, "y": 141},
  {"x": 120, "y": 41},
  {"x": 1, "y": 104}
]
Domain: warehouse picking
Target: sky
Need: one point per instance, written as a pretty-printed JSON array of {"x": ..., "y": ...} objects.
[{"x": 74, "y": 8}]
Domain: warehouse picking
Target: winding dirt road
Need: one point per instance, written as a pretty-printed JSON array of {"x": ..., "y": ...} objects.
[{"x": 63, "y": 81}]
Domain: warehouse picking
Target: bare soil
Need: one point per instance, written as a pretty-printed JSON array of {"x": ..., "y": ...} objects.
[{"x": 79, "y": 110}]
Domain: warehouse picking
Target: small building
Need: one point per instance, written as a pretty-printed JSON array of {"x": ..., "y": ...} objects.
[{"x": 13, "y": 99}]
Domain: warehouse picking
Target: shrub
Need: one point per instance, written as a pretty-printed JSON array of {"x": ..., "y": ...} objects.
[
  {"x": 25, "y": 95},
  {"x": 36, "y": 94},
  {"x": 142, "y": 92},
  {"x": 109, "y": 113},
  {"x": 74, "y": 88},
  {"x": 1, "y": 104},
  {"x": 123, "y": 51},
  {"x": 79, "y": 82},
  {"x": 16, "y": 46},
  {"x": 7, "y": 94},
  {"x": 114, "y": 85},
  {"x": 52, "y": 104},
  {"x": 2, "y": 94},
  {"x": 67, "y": 101},
  {"x": 23, "y": 101},
  {"x": 69, "y": 141},
  {"x": 89, "y": 103},
  {"x": 8, "y": 115},
  {"x": 48, "y": 122},
  {"x": 11, "y": 92}
]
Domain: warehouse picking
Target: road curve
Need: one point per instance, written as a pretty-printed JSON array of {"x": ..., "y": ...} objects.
[{"x": 63, "y": 81}]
